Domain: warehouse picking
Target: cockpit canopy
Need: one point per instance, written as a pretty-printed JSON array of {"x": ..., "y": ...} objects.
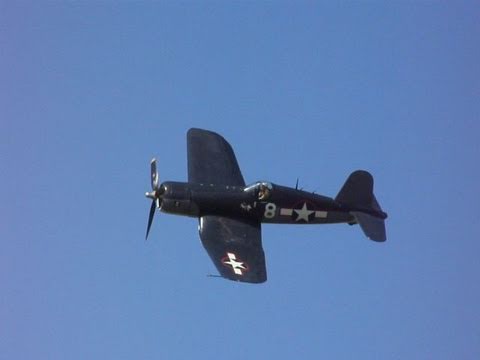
[{"x": 261, "y": 189}]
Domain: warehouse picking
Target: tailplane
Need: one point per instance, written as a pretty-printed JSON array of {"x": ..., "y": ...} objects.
[{"x": 357, "y": 195}]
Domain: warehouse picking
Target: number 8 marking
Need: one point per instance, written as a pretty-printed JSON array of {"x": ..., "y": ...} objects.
[{"x": 270, "y": 209}]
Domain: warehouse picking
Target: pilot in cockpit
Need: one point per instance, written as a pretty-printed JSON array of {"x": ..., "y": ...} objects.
[{"x": 263, "y": 192}]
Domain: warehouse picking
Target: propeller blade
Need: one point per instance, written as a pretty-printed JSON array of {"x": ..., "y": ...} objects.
[
  {"x": 154, "y": 174},
  {"x": 150, "y": 217}
]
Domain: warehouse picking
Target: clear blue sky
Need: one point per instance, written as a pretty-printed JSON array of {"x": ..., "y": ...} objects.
[{"x": 90, "y": 91}]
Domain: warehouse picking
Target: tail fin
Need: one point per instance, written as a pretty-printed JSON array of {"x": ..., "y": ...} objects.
[{"x": 357, "y": 195}]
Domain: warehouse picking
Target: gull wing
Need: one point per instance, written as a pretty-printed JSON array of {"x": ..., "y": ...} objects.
[
  {"x": 211, "y": 159},
  {"x": 235, "y": 247}
]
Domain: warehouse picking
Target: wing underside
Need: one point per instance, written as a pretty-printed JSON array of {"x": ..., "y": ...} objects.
[
  {"x": 235, "y": 247},
  {"x": 211, "y": 159}
]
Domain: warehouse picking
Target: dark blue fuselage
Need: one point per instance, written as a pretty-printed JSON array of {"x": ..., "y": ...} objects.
[{"x": 275, "y": 204}]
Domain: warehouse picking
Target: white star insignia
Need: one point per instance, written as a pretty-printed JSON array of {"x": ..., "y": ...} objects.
[
  {"x": 237, "y": 266},
  {"x": 245, "y": 206},
  {"x": 303, "y": 213}
]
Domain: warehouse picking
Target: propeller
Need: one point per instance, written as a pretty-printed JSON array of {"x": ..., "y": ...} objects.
[{"x": 155, "y": 194}]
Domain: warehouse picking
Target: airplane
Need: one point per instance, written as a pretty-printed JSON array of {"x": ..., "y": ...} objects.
[{"x": 230, "y": 212}]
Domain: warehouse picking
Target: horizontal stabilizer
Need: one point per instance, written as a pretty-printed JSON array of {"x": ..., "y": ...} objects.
[{"x": 372, "y": 226}]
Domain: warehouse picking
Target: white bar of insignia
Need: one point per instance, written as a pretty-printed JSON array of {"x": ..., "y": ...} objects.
[
  {"x": 287, "y": 212},
  {"x": 321, "y": 214}
]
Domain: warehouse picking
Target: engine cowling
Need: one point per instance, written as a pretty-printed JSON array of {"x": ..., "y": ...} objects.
[{"x": 177, "y": 199}]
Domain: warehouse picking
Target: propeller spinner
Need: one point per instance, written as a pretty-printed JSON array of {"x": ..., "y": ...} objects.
[{"x": 155, "y": 194}]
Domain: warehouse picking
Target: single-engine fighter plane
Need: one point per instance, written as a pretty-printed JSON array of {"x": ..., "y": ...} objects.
[{"x": 230, "y": 213}]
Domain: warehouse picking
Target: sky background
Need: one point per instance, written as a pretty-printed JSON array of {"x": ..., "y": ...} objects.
[{"x": 91, "y": 91}]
